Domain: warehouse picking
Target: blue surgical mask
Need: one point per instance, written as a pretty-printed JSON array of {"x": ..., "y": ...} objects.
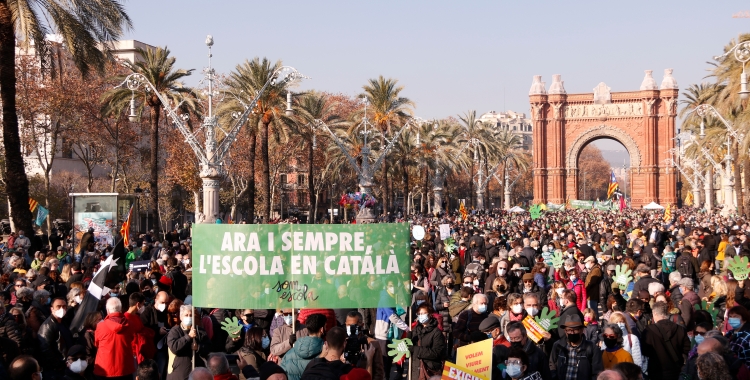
[
  {"x": 288, "y": 320},
  {"x": 265, "y": 342},
  {"x": 482, "y": 309},
  {"x": 699, "y": 339},
  {"x": 622, "y": 327},
  {"x": 112, "y": 295},
  {"x": 513, "y": 370},
  {"x": 735, "y": 322},
  {"x": 419, "y": 302},
  {"x": 422, "y": 318}
]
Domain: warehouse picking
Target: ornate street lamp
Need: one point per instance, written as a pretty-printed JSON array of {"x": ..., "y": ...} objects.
[
  {"x": 212, "y": 153},
  {"x": 742, "y": 54}
]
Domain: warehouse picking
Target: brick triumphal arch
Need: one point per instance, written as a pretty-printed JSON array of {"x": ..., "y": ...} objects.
[{"x": 643, "y": 121}]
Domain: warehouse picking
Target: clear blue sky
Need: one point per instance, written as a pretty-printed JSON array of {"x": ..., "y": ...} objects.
[{"x": 450, "y": 56}]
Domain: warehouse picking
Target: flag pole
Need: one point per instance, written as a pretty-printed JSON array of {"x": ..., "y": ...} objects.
[{"x": 193, "y": 314}]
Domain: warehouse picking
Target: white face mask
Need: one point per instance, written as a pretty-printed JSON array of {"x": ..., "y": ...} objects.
[
  {"x": 78, "y": 299},
  {"x": 517, "y": 309},
  {"x": 160, "y": 306},
  {"x": 572, "y": 278},
  {"x": 559, "y": 291},
  {"x": 532, "y": 311},
  {"x": 501, "y": 271},
  {"x": 476, "y": 282},
  {"x": 59, "y": 313},
  {"x": 78, "y": 366}
]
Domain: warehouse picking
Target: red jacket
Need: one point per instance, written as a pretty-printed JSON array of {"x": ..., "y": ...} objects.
[
  {"x": 580, "y": 289},
  {"x": 114, "y": 336},
  {"x": 330, "y": 316},
  {"x": 143, "y": 339}
]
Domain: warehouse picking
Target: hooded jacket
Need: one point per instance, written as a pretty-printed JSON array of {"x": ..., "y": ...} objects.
[
  {"x": 305, "y": 349},
  {"x": 114, "y": 335},
  {"x": 661, "y": 341}
]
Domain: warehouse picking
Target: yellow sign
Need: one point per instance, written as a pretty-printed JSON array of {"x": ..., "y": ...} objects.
[
  {"x": 454, "y": 372},
  {"x": 533, "y": 329},
  {"x": 477, "y": 358}
]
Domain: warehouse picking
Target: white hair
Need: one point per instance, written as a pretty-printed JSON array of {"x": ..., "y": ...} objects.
[
  {"x": 654, "y": 288},
  {"x": 185, "y": 308},
  {"x": 114, "y": 305},
  {"x": 475, "y": 299},
  {"x": 675, "y": 277}
]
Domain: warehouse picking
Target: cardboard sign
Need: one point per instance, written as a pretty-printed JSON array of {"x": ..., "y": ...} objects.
[
  {"x": 533, "y": 329},
  {"x": 454, "y": 372},
  {"x": 477, "y": 358},
  {"x": 445, "y": 231},
  {"x": 140, "y": 266}
]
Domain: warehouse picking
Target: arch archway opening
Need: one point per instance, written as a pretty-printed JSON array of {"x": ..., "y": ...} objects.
[{"x": 596, "y": 160}]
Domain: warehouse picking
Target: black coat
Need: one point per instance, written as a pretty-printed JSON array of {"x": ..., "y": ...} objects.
[
  {"x": 662, "y": 364},
  {"x": 589, "y": 360},
  {"x": 54, "y": 341},
  {"x": 537, "y": 360},
  {"x": 9, "y": 328},
  {"x": 564, "y": 313},
  {"x": 428, "y": 346},
  {"x": 181, "y": 345}
]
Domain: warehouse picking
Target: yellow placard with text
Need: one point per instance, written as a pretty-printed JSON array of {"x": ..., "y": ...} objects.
[
  {"x": 476, "y": 358},
  {"x": 533, "y": 330},
  {"x": 453, "y": 372}
]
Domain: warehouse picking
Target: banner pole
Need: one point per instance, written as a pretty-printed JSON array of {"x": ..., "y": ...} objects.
[
  {"x": 193, "y": 314},
  {"x": 411, "y": 358},
  {"x": 294, "y": 319}
]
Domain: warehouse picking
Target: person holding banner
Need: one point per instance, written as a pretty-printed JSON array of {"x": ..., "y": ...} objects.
[
  {"x": 428, "y": 348},
  {"x": 182, "y": 340}
]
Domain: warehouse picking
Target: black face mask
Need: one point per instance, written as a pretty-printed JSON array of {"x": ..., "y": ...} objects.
[
  {"x": 249, "y": 318},
  {"x": 148, "y": 294},
  {"x": 609, "y": 342},
  {"x": 516, "y": 345},
  {"x": 574, "y": 338}
]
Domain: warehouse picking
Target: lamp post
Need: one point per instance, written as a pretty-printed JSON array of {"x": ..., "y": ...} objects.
[
  {"x": 703, "y": 111},
  {"x": 212, "y": 153},
  {"x": 138, "y": 193},
  {"x": 742, "y": 54}
]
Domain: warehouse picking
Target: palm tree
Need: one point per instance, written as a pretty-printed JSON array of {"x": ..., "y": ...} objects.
[
  {"x": 158, "y": 68},
  {"x": 479, "y": 142},
  {"x": 248, "y": 78},
  {"x": 309, "y": 109},
  {"x": 387, "y": 108},
  {"x": 85, "y": 27}
]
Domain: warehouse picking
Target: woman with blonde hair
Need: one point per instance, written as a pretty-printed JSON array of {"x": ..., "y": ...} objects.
[
  {"x": 554, "y": 298},
  {"x": 65, "y": 273},
  {"x": 630, "y": 342},
  {"x": 719, "y": 288},
  {"x": 440, "y": 271}
]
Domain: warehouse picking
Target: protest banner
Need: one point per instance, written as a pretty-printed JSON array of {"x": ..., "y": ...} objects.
[
  {"x": 445, "y": 231},
  {"x": 454, "y": 372},
  {"x": 272, "y": 266},
  {"x": 476, "y": 357},
  {"x": 534, "y": 331}
]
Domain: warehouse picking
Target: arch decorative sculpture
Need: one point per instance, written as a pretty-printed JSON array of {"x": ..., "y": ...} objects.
[{"x": 643, "y": 121}]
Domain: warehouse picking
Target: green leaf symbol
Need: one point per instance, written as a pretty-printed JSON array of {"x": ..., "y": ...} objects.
[
  {"x": 232, "y": 327},
  {"x": 547, "y": 319},
  {"x": 400, "y": 348},
  {"x": 739, "y": 268},
  {"x": 622, "y": 276},
  {"x": 557, "y": 260}
]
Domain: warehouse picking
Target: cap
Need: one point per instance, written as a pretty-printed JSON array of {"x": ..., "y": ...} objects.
[
  {"x": 572, "y": 321},
  {"x": 76, "y": 350},
  {"x": 490, "y": 323},
  {"x": 590, "y": 258},
  {"x": 528, "y": 276},
  {"x": 60, "y": 248}
]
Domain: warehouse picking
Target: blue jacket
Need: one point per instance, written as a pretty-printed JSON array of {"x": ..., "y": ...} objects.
[{"x": 296, "y": 359}]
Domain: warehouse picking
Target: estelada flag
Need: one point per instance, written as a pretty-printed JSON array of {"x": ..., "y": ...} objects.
[
  {"x": 125, "y": 229},
  {"x": 612, "y": 185}
]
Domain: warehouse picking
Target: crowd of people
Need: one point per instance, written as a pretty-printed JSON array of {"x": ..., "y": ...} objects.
[{"x": 684, "y": 315}]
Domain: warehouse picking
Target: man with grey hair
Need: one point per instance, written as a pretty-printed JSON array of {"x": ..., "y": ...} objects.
[
  {"x": 665, "y": 344},
  {"x": 201, "y": 373},
  {"x": 470, "y": 319},
  {"x": 219, "y": 366},
  {"x": 643, "y": 274},
  {"x": 674, "y": 284},
  {"x": 688, "y": 302},
  {"x": 114, "y": 336},
  {"x": 655, "y": 287}
]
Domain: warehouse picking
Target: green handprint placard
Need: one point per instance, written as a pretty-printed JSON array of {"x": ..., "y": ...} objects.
[
  {"x": 739, "y": 268},
  {"x": 547, "y": 319},
  {"x": 557, "y": 260},
  {"x": 622, "y": 276},
  {"x": 232, "y": 327},
  {"x": 709, "y": 307},
  {"x": 400, "y": 348}
]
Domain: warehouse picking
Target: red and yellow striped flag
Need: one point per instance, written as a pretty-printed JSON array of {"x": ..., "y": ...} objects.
[
  {"x": 32, "y": 204},
  {"x": 462, "y": 210},
  {"x": 668, "y": 213},
  {"x": 125, "y": 229}
]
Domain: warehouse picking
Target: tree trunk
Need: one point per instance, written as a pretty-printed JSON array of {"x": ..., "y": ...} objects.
[
  {"x": 406, "y": 186},
  {"x": 251, "y": 181},
  {"x": 310, "y": 186},
  {"x": 154, "y": 178},
  {"x": 15, "y": 173},
  {"x": 115, "y": 171},
  {"x": 265, "y": 168},
  {"x": 737, "y": 178},
  {"x": 387, "y": 191},
  {"x": 471, "y": 187}
]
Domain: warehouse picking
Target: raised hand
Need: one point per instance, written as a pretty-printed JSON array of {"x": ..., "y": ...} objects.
[
  {"x": 739, "y": 268},
  {"x": 400, "y": 348},
  {"x": 622, "y": 276},
  {"x": 232, "y": 327},
  {"x": 547, "y": 319}
]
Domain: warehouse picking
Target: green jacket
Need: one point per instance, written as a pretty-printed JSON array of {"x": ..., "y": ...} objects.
[{"x": 295, "y": 360}]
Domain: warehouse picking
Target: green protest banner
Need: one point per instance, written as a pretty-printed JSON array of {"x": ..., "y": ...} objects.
[{"x": 274, "y": 266}]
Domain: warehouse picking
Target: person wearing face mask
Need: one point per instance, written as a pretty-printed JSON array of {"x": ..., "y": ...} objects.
[
  {"x": 593, "y": 279},
  {"x": 182, "y": 340},
  {"x": 568, "y": 309},
  {"x": 499, "y": 270},
  {"x": 283, "y": 338},
  {"x": 76, "y": 363},
  {"x": 470, "y": 319},
  {"x": 428, "y": 346},
  {"x": 614, "y": 353},
  {"x": 630, "y": 341},
  {"x": 475, "y": 269},
  {"x": 528, "y": 285},
  {"x": 517, "y": 366},
  {"x": 143, "y": 337},
  {"x": 154, "y": 317},
  {"x": 55, "y": 338},
  {"x": 252, "y": 351},
  {"x": 515, "y": 313},
  {"x": 577, "y": 285},
  {"x": 555, "y": 301},
  {"x": 440, "y": 272},
  {"x": 114, "y": 335},
  {"x": 574, "y": 357},
  {"x": 519, "y": 340}
]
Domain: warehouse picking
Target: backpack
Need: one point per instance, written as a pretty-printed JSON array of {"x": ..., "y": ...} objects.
[{"x": 685, "y": 267}]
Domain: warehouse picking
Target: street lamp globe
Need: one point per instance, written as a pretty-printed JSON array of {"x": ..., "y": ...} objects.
[{"x": 744, "y": 93}]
